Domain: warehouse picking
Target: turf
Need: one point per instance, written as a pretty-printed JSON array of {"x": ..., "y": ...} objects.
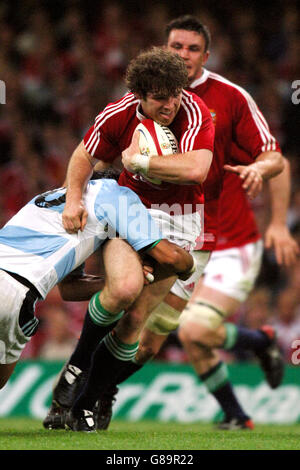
[{"x": 28, "y": 434}]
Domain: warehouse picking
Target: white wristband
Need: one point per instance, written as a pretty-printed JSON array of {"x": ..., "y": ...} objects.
[
  {"x": 194, "y": 267},
  {"x": 140, "y": 163}
]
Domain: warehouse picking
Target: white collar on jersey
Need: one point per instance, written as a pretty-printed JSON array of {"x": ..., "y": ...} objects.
[
  {"x": 201, "y": 79},
  {"x": 139, "y": 115}
]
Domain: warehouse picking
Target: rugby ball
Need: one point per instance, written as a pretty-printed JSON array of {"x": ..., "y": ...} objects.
[{"x": 155, "y": 139}]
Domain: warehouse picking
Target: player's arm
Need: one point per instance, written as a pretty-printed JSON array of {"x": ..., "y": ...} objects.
[
  {"x": 174, "y": 259},
  {"x": 267, "y": 165},
  {"x": 79, "y": 171},
  {"x": 277, "y": 235},
  {"x": 186, "y": 168},
  {"x": 251, "y": 133},
  {"x": 81, "y": 287}
]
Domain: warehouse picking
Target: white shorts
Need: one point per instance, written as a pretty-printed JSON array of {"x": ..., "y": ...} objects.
[
  {"x": 184, "y": 289},
  {"x": 234, "y": 271},
  {"x": 180, "y": 229},
  {"x": 12, "y": 339}
]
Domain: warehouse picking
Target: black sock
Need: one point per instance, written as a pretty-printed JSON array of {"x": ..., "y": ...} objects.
[
  {"x": 108, "y": 361},
  {"x": 90, "y": 337},
  {"x": 217, "y": 383},
  {"x": 128, "y": 370},
  {"x": 243, "y": 338}
]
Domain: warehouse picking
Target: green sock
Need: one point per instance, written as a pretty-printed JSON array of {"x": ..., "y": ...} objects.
[{"x": 99, "y": 314}]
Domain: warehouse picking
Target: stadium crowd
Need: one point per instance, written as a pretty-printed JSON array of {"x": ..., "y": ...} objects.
[{"x": 62, "y": 65}]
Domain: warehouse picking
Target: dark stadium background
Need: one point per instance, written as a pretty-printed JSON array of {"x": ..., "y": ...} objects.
[{"x": 62, "y": 61}]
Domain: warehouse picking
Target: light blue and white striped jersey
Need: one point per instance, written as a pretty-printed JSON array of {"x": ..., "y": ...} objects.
[{"x": 35, "y": 245}]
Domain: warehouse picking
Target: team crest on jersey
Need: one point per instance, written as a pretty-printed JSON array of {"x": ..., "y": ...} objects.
[
  {"x": 213, "y": 115},
  {"x": 165, "y": 145}
]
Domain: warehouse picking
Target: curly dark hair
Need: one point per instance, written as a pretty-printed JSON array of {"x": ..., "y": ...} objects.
[{"x": 156, "y": 71}]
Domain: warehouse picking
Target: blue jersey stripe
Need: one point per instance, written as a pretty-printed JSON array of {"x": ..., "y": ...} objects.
[
  {"x": 31, "y": 241},
  {"x": 65, "y": 265}
]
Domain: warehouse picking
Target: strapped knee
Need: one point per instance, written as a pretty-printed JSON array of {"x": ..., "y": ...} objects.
[
  {"x": 203, "y": 313},
  {"x": 163, "y": 319}
]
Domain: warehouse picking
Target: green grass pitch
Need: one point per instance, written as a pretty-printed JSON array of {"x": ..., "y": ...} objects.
[{"x": 28, "y": 434}]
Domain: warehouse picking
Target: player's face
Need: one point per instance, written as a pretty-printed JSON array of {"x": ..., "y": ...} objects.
[
  {"x": 160, "y": 108},
  {"x": 191, "y": 47}
]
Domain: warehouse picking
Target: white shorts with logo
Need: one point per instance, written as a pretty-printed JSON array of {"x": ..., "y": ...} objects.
[
  {"x": 184, "y": 289},
  {"x": 181, "y": 229},
  {"x": 12, "y": 339},
  {"x": 234, "y": 271}
]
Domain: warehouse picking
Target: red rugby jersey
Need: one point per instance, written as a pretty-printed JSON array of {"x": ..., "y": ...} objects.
[
  {"x": 242, "y": 133},
  {"x": 112, "y": 133}
]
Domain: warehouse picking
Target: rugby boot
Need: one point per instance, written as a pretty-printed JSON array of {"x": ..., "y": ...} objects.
[
  {"x": 70, "y": 381},
  {"x": 80, "y": 420},
  {"x": 103, "y": 408},
  {"x": 236, "y": 424},
  {"x": 271, "y": 359}
]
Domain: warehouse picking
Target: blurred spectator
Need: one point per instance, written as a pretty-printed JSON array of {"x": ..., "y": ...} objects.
[{"x": 60, "y": 341}]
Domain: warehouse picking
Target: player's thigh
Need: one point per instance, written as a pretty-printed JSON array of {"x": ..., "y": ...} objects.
[
  {"x": 233, "y": 272},
  {"x": 121, "y": 264},
  {"x": 228, "y": 305}
]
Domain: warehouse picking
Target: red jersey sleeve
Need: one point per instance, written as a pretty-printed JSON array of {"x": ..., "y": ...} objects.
[
  {"x": 198, "y": 130},
  {"x": 97, "y": 144},
  {"x": 250, "y": 129}
]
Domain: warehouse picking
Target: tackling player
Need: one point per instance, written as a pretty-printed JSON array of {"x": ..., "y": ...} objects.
[{"x": 36, "y": 253}]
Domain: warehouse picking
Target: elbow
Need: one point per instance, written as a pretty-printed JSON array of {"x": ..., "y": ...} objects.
[
  {"x": 178, "y": 260},
  {"x": 200, "y": 167},
  {"x": 286, "y": 165},
  {"x": 198, "y": 176},
  {"x": 282, "y": 162},
  {"x": 278, "y": 164}
]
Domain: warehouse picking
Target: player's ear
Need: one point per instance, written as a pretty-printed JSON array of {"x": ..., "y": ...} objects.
[{"x": 205, "y": 57}]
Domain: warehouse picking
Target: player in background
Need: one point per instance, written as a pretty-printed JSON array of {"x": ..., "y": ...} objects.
[
  {"x": 36, "y": 253},
  {"x": 242, "y": 138}
]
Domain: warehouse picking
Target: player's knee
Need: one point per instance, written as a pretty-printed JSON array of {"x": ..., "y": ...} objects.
[
  {"x": 199, "y": 323},
  {"x": 189, "y": 333},
  {"x": 163, "y": 320},
  {"x": 126, "y": 292}
]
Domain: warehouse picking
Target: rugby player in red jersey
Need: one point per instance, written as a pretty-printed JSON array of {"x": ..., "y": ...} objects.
[{"x": 155, "y": 79}]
